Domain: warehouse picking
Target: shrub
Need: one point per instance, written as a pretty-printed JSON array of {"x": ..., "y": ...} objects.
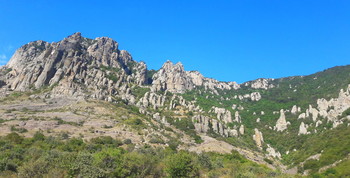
[
  {"x": 19, "y": 130},
  {"x": 268, "y": 160},
  {"x": 106, "y": 140},
  {"x": 127, "y": 141},
  {"x": 156, "y": 139},
  {"x": 181, "y": 165},
  {"x": 137, "y": 165},
  {"x": 38, "y": 136},
  {"x": 14, "y": 137}
]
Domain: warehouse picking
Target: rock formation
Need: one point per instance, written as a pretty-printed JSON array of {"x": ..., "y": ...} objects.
[
  {"x": 295, "y": 109},
  {"x": 203, "y": 124},
  {"x": 223, "y": 114},
  {"x": 258, "y": 137},
  {"x": 272, "y": 152},
  {"x": 237, "y": 117},
  {"x": 85, "y": 69},
  {"x": 175, "y": 79},
  {"x": 303, "y": 129},
  {"x": 281, "y": 123},
  {"x": 172, "y": 78},
  {"x": 255, "y": 96},
  {"x": 75, "y": 65},
  {"x": 260, "y": 84},
  {"x": 329, "y": 109},
  {"x": 241, "y": 129}
]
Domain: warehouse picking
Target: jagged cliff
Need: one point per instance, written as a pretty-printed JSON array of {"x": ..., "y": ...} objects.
[{"x": 75, "y": 65}]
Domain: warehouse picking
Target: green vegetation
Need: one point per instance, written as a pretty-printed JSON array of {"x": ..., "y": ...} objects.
[
  {"x": 25, "y": 95},
  {"x": 181, "y": 165},
  {"x": 149, "y": 75},
  {"x": 340, "y": 170},
  {"x": 60, "y": 121},
  {"x": 112, "y": 72},
  {"x": 135, "y": 123},
  {"x": 42, "y": 156},
  {"x": 332, "y": 144},
  {"x": 301, "y": 91},
  {"x": 186, "y": 125},
  {"x": 19, "y": 130},
  {"x": 346, "y": 113},
  {"x": 112, "y": 77},
  {"x": 5, "y": 71},
  {"x": 156, "y": 139},
  {"x": 139, "y": 91}
]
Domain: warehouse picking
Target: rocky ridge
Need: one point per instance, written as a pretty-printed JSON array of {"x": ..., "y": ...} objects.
[{"x": 85, "y": 69}]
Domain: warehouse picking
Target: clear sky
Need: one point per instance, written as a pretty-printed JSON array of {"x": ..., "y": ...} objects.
[{"x": 228, "y": 40}]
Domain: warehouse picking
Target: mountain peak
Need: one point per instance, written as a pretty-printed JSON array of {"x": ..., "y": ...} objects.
[{"x": 75, "y": 35}]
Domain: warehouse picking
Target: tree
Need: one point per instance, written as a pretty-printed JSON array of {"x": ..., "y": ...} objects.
[{"x": 181, "y": 165}]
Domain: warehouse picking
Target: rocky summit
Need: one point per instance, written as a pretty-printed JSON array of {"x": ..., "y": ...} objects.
[{"x": 89, "y": 88}]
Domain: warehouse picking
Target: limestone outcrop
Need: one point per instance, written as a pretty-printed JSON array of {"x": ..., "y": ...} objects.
[
  {"x": 203, "y": 124},
  {"x": 151, "y": 99},
  {"x": 258, "y": 138},
  {"x": 223, "y": 115},
  {"x": 303, "y": 129},
  {"x": 330, "y": 109},
  {"x": 272, "y": 152},
  {"x": 172, "y": 77},
  {"x": 237, "y": 117},
  {"x": 281, "y": 123},
  {"x": 255, "y": 96},
  {"x": 295, "y": 109},
  {"x": 260, "y": 84},
  {"x": 75, "y": 66},
  {"x": 241, "y": 129}
]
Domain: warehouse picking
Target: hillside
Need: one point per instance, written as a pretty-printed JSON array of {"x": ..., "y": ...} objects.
[{"x": 101, "y": 104}]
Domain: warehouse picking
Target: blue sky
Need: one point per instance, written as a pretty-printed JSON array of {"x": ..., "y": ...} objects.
[{"x": 227, "y": 40}]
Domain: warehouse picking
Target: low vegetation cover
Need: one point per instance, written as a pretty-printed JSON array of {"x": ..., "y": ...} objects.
[
  {"x": 42, "y": 156},
  {"x": 332, "y": 145}
]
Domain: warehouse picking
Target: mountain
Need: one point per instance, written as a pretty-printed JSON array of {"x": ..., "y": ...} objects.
[{"x": 88, "y": 89}]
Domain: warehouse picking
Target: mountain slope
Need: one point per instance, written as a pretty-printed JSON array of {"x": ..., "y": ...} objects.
[{"x": 87, "y": 88}]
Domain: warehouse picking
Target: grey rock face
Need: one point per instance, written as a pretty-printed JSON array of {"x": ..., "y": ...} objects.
[
  {"x": 173, "y": 78},
  {"x": 151, "y": 99},
  {"x": 223, "y": 114},
  {"x": 203, "y": 124},
  {"x": 255, "y": 96},
  {"x": 260, "y": 84},
  {"x": 75, "y": 66}
]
